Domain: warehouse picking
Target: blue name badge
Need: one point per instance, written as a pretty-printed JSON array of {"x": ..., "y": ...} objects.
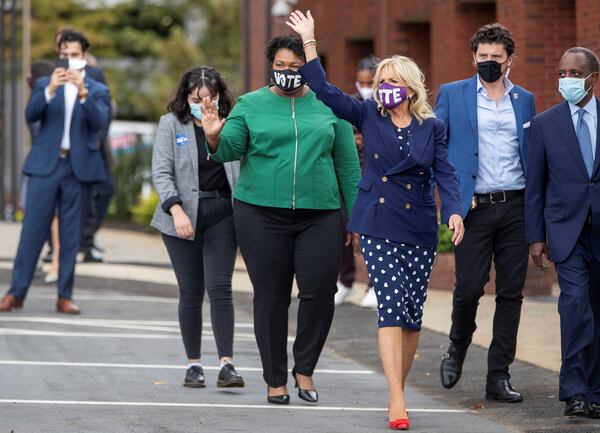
[{"x": 181, "y": 140}]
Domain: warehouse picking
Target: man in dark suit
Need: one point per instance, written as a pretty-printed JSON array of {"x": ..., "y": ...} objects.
[
  {"x": 64, "y": 159},
  {"x": 486, "y": 118},
  {"x": 563, "y": 222}
]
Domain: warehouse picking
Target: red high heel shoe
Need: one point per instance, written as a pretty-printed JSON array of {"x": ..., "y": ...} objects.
[{"x": 400, "y": 424}]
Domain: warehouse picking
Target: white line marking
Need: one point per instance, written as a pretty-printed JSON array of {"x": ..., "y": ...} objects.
[
  {"x": 121, "y": 298},
  {"x": 101, "y": 322},
  {"x": 158, "y": 366},
  {"x": 240, "y": 336},
  {"x": 214, "y": 405}
]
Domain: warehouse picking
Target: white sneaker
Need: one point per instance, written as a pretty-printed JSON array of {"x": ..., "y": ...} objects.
[
  {"x": 50, "y": 278},
  {"x": 370, "y": 299},
  {"x": 341, "y": 294}
]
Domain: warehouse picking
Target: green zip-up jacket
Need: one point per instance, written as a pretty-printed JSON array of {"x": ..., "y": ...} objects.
[{"x": 294, "y": 152}]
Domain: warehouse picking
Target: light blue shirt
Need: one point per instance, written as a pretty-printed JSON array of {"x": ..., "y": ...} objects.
[
  {"x": 590, "y": 117},
  {"x": 499, "y": 158}
]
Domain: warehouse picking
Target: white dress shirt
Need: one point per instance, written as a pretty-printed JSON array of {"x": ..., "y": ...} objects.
[{"x": 71, "y": 93}]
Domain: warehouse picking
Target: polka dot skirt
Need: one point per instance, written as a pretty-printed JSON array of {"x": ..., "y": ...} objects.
[{"x": 400, "y": 275}]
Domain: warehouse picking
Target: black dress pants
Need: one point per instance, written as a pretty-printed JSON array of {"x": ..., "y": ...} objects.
[
  {"x": 491, "y": 231},
  {"x": 277, "y": 244}
]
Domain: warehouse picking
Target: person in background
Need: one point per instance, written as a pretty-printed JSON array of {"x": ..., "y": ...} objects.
[
  {"x": 364, "y": 86},
  {"x": 195, "y": 218},
  {"x": 486, "y": 118},
  {"x": 395, "y": 215},
  {"x": 297, "y": 158},
  {"x": 63, "y": 161},
  {"x": 101, "y": 192},
  {"x": 562, "y": 202}
]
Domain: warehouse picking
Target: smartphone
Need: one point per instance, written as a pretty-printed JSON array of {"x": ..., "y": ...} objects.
[{"x": 61, "y": 63}]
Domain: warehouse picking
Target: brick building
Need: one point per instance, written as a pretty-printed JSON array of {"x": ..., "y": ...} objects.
[{"x": 435, "y": 33}]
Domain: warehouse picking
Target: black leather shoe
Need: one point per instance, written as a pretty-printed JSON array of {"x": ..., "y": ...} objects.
[
  {"x": 451, "y": 367},
  {"x": 309, "y": 395},
  {"x": 194, "y": 377},
  {"x": 278, "y": 399},
  {"x": 229, "y": 378},
  {"x": 593, "y": 410},
  {"x": 503, "y": 392},
  {"x": 576, "y": 406}
]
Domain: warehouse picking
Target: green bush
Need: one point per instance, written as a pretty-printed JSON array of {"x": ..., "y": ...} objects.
[
  {"x": 445, "y": 239},
  {"x": 143, "y": 211}
]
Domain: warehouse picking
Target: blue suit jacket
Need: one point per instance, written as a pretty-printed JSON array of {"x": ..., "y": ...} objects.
[
  {"x": 457, "y": 106},
  {"x": 559, "y": 192},
  {"x": 395, "y": 198},
  {"x": 89, "y": 119}
]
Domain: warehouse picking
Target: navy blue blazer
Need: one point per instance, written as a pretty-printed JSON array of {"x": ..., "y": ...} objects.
[
  {"x": 395, "y": 197},
  {"x": 457, "y": 106},
  {"x": 89, "y": 119},
  {"x": 559, "y": 192}
]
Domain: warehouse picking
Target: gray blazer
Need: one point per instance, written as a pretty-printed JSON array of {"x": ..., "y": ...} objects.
[{"x": 175, "y": 171}]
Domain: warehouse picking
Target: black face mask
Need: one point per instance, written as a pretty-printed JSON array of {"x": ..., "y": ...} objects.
[
  {"x": 489, "y": 71},
  {"x": 287, "y": 80}
]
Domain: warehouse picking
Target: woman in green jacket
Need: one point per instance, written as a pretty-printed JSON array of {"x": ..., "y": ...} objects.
[{"x": 296, "y": 158}]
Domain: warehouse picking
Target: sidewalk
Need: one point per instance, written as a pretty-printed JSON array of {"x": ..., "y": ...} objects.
[{"x": 132, "y": 256}]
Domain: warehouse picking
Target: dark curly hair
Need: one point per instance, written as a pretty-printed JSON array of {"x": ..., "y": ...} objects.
[
  {"x": 195, "y": 79},
  {"x": 291, "y": 42},
  {"x": 493, "y": 34},
  {"x": 70, "y": 35}
]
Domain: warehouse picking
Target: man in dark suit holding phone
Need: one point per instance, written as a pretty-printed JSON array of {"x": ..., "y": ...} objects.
[{"x": 64, "y": 160}]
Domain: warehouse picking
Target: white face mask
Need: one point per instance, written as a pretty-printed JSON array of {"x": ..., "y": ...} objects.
[
  {"x": 365, "y": 92},
  {"x": 77, "y": 64}
]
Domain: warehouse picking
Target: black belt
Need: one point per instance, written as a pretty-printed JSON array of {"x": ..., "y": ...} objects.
[
  {"x": 498, "y": 197},
  {"x": 214, "y": 194}
]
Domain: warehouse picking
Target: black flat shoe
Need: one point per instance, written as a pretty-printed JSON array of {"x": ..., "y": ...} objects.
[
  {"x": 503, "y": 392},
  {"x": 576, "y": 406},
  {"x": 278, "y": 399},
  {"x": 309, "y": 395},
  {"x": 451, "y": 366},
  {"x": 194, "y": 377},
  {"x": 593, "y": 410},
  {"x": 229, "y": 378}
]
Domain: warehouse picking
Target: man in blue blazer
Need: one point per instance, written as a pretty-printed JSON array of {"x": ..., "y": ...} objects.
[
  {"x": 563, "y": 222},
  {"x": 486, "y": 118},
  {"x": 64, "y": 159}
]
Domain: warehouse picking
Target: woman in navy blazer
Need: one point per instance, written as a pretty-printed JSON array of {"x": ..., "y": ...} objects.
[{"x": 395, "y": 215}]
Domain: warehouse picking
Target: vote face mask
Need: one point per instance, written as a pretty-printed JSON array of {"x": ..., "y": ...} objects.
[
  {"x": 573, "y": 89},
  {"x": 287, "y": 80},
  {"x": 392, "y": 96},
  {"x": 489, "y": 71},
  {"x": 196, "y": 109},
  {"x": 365, "y": 92}
]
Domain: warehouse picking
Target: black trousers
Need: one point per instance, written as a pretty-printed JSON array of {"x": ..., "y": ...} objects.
[
  {"x": 278, "y": 244},
  {"x": 491, "y": 231},
  {"x": 207, "y": 262}
]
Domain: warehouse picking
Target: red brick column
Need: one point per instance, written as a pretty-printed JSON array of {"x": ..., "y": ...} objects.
[{"x": 543, "y": 30}]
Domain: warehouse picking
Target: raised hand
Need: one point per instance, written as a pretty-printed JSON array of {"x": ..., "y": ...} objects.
[
  {"x": 302, "y": 24},
  {"x": 211, "y": 122},
  {"x": 58, "y": 78}
]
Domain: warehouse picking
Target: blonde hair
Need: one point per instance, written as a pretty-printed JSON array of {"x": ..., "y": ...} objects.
[{"x": 406, "y": 69}]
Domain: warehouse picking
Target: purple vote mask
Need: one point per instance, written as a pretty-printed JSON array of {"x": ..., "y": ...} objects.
[{"x": 391, "y": 96}]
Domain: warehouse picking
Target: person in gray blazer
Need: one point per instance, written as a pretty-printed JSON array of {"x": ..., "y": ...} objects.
[{"x": 195, "y": 218}]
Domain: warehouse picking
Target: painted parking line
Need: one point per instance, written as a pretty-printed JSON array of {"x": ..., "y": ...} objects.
[
  {"x": 158, "y": 366},
  {"x": 228, "y": 406}
]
